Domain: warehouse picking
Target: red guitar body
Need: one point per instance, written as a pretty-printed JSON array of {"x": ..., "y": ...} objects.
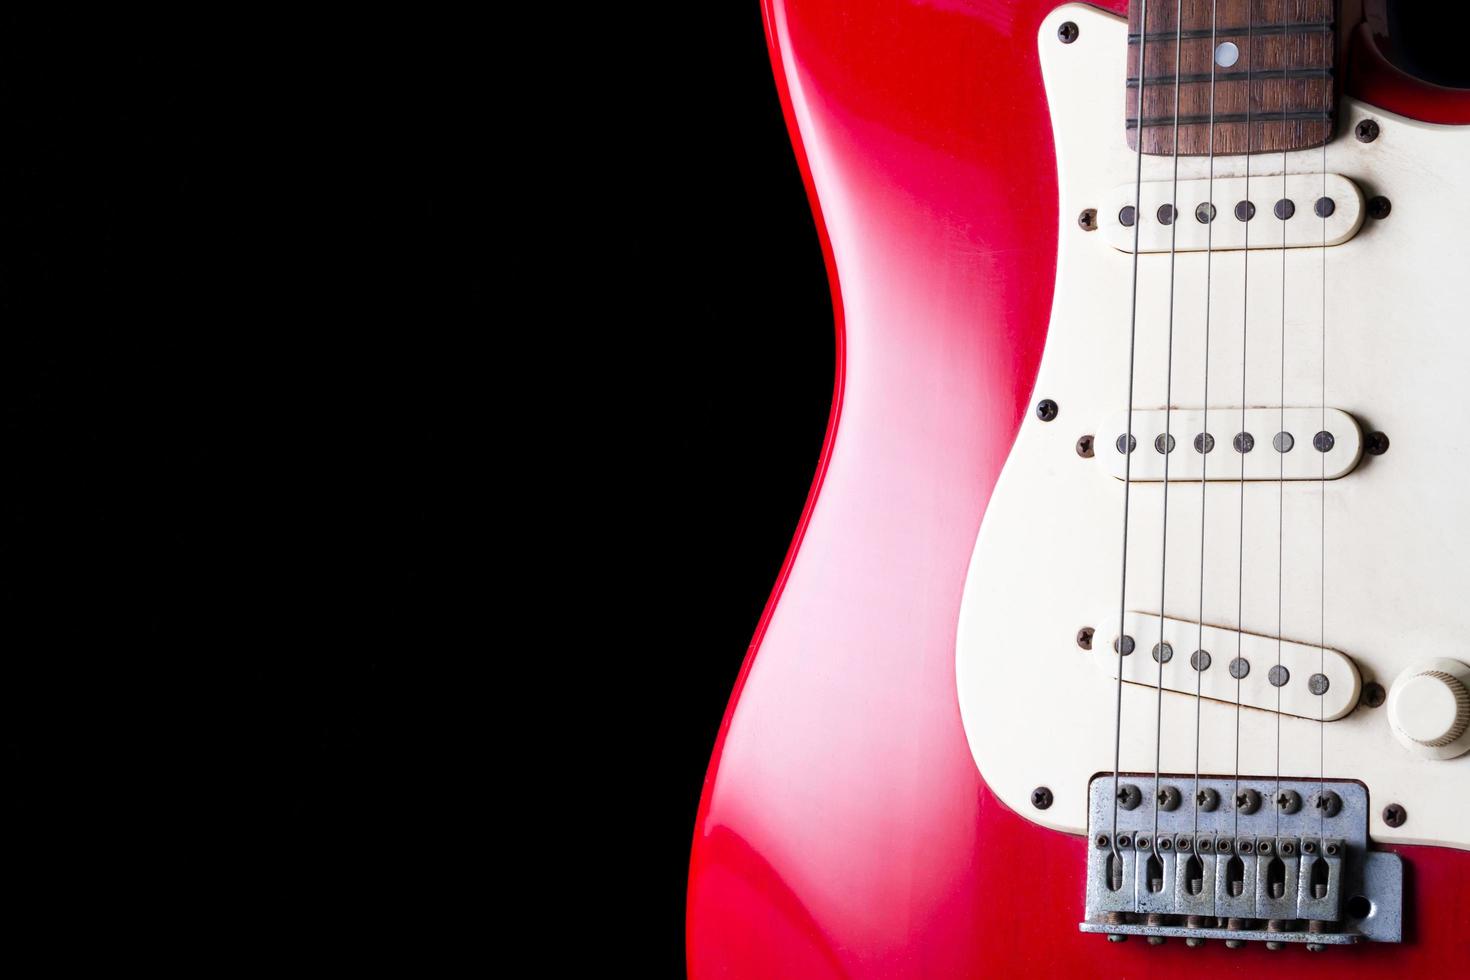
[{"x": 845, "y": 830}]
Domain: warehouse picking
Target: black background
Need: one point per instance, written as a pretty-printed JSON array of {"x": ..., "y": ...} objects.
[
  {"x": 240, "y": 265},
  {"x": 286, "y": 487}
]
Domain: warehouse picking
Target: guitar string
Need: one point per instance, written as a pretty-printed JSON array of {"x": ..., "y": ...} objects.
[
  {"x": 1197, "y": 660},
  {"x": 1168, "y": 446},
  {"x": 1322, "y": 544},
  {"x": 1235, "y": 667},
  {"x": 1128, "y": 434},
  {"x": 1279, "y": 440}
]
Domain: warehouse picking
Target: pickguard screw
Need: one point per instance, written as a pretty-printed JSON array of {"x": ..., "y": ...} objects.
[
  {"x": 1084, "y": 637},
  {"x": 1207, "y": 800},
  {"x": 1373, "y": 694},
  {"x": 1067, "y": 33},
  {"x": 1041, "y": 798},
  {"x": 1376, "y": 444},
  {"x": 1046, "y": 410},
  {"x": 1395, "y": 815},
  {"x": 1084, "y": 447},
  {"x": 1087, "y": 220},
  {"x": 1379, "y": 207},
  {"x": 1366, "y": 131}
]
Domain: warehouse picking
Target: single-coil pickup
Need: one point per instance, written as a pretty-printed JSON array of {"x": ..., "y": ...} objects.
[
  {"x": 1229, "y": 445},
  {"x": 1295, "y": 678},
  {"x": 1309, "y": 210}
]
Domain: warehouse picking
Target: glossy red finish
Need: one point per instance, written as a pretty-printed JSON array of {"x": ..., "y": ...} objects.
[{"x": 844, "y": 828}]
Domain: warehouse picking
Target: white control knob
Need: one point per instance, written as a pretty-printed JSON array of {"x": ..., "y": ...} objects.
[{"x": 1429, "y": 708}]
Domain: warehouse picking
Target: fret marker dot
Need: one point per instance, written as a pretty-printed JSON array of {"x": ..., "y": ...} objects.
[{"x": 1227, "y": 54}]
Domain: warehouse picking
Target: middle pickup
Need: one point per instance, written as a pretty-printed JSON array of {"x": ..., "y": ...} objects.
[
  {"x": 1272, "y": 443},
  {"x": 1223, "y": 664}
]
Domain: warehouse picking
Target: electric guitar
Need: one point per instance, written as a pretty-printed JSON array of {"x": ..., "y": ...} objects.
[{"x": 1126, "y": 628}]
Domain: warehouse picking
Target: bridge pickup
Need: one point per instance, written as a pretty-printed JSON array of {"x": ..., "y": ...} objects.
[
  {"x": 1274, "y": 444},
  {"x": 1303, "y": 227},
  {"x": 1255, "y": 659},
  {"x": 1291, "y": 864}
]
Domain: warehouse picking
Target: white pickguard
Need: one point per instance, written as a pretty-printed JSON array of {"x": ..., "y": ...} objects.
[{"x": 1397, "y": 532}]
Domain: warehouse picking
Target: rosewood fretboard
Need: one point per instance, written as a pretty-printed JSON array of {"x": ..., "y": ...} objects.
[{"x": 1277, "y": 95}]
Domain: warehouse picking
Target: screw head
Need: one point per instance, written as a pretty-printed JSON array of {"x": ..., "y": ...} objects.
[
  {"x": 1046, "y": 410},
  {"x": 1085, "y": 447},
  {"x": 1087, "y": 220},
  {"x": 1067, "y": 33},
  {"x": 1376, "y": 444},
  {"x": 1366, "y": 131},
  {"x": 1041, "y": 798},
  {"x": 1395, "y": 815},
  {"x": 1379, "y": 207},
  {"x": 1084, "y": 637},
  {"x": 1373, "y": 695}
]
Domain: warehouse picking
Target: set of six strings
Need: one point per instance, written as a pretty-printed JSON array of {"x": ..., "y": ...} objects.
[{"x": 1281, "y": 442}]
